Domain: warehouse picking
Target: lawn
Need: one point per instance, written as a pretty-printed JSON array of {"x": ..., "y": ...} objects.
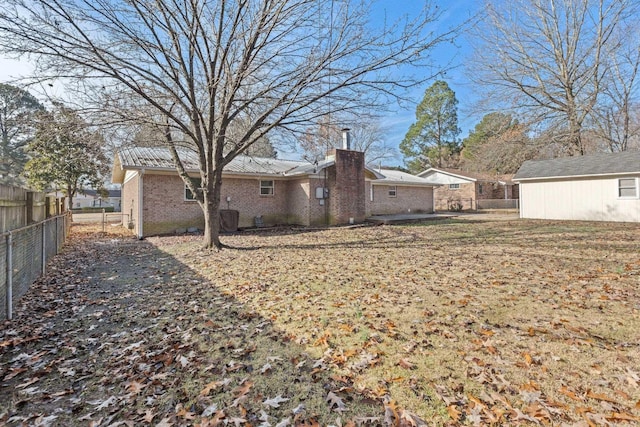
[
  {"x": 446, "y": 323},
  {"x": 463, "y": 321}
]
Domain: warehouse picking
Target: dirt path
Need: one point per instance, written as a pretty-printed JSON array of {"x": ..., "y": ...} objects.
[{"x": 120, "y": 333}]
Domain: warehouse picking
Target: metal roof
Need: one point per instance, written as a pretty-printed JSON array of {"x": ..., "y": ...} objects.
[
  {"x": 159, "y": 158},
  {"x": 581, "y": 166},
  {"x": 468, "y": 176},
  {"x": 396, "y": 177}
]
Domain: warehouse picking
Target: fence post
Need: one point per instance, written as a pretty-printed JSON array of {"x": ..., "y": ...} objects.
[
  {"x": 44, "y": 247},
  {"x": 30, "y": 207},
  {"x": 9, "y": 276}
]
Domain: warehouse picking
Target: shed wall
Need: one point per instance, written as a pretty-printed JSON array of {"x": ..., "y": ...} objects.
[{"x": 584, "y": 199}]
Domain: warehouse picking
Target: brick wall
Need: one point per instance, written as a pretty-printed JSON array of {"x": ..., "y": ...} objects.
[
  {"x": 408, "y": 200},
  {"x": 246, "y": 199},
  {"x": 469, "y": 193},
  {"x": 318, "y": 208},
  {"x": 465, "y": 195},
  {"x": 491, "y": 190},
  {"x": 347, "y": 197},
  {"x": 165, "y": 209}
]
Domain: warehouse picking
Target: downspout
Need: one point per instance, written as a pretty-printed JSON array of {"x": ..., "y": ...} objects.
[
  {"x": 433, "y": 198},
  {"x": 140, "y": 205}
]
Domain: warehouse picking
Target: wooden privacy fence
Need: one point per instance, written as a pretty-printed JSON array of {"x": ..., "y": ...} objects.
[
  {"x": 24, "y": 253},
  {"x": 20, "y": 207}
]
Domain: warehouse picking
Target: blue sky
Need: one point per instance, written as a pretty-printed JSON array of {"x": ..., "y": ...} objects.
[
  {"x": 455, "y": 54},
  {"x": 398, "y": 121}
]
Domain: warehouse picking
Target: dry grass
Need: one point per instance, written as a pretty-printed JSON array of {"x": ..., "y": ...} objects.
[{"x": 458, "y": 321}]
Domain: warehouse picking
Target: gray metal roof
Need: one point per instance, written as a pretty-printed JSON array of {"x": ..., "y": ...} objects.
[
  {"x": 396, "y": 177},
  {"x": 155, "y": 158},
  {"x": 594, "y": 164},
  {"x": 159, "y": 158}
]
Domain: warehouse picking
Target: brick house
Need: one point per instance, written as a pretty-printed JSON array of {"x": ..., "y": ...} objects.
[
  {"x": 340, "y": 189},
  {"x": 461, "y": 190}
]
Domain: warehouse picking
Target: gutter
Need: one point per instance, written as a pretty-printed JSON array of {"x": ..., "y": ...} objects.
[{"x": 569, "y": 177}]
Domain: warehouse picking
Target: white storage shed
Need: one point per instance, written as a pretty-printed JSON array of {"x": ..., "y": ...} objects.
[{"x": 599, "y": 187}]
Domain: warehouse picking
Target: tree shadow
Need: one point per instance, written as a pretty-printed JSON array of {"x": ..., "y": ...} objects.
[{"x": 119, "y": 331}]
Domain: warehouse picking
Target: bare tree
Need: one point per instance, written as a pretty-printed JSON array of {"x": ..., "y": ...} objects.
[
  {"x": 200, "y": 66},
  {"x": 367, "y": 135},
  {"x": 548, "y": 58},
  {"x": 615, "y": 119}
]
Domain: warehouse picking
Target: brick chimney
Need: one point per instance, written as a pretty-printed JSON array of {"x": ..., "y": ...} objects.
[{"x": 346, "y": 187}]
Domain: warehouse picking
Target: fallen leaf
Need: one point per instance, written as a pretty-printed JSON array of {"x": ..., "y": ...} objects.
[
  {"x": 134, "y": 387},
  {"x": 335, "y": 402},
  {"x": 275, "y": 402}
]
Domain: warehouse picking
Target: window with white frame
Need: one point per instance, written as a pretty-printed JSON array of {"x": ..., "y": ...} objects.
[
  {"x": 393, "y": 191},
  {"x": 266, "y": 187},
  {"x": 188, "y": 195},
  {"x": 628, "y": 188},
  {"x": 454, "y": 186}
]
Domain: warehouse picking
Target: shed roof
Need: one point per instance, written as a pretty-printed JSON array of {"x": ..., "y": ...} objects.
[{"x": 581, "y": 166}]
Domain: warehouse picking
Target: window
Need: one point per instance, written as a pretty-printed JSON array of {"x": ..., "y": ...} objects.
[
  {"x": 266, "y": 188},
  {"x": 479, "y": 188},
  {"x": 188, "y": 195},
  {"x": 627, "y": 188},
  {"x": 392, "y": 191},
  {"x": 454, "y": 186}
]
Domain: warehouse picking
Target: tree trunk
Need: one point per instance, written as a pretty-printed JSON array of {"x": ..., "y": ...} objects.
[
  {"x": 211, "y": 209},
  {"x": 70, "y": 198}
]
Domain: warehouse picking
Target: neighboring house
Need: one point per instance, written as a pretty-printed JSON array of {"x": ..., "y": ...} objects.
[
  {"x": 599, "y": 187},
  {"x": 91, "y": 199},
  {"x": 83, "y": 200},
  {"x": 337, "y": 190},
  {"x": 460, "y": 190}
]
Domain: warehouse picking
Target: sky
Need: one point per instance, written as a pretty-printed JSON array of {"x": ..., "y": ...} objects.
[
  {"x": 454, "y": 55},
  {"x": 395, "y": 123}
]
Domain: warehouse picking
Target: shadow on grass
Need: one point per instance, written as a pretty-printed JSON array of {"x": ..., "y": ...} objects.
[{"x": 121, "y": 331}]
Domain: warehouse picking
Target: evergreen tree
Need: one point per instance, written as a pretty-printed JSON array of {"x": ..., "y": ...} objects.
[
  {"x": 17, "y": 110},
  {"x": 67, "y": 155},
  {"x": 433, "y": 138}
]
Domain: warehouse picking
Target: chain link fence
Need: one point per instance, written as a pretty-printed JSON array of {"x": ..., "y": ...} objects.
[
  {"x": 24, "y": 253},
  {"x": 469, "y": 204},
  {"x": 498, "y": 204}
]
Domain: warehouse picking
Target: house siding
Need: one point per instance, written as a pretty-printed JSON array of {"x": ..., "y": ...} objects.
[
  {"x": 130, "y": 200},
  {"x": 408, "y": 200},
  {"x": 579, "y": 199}
]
